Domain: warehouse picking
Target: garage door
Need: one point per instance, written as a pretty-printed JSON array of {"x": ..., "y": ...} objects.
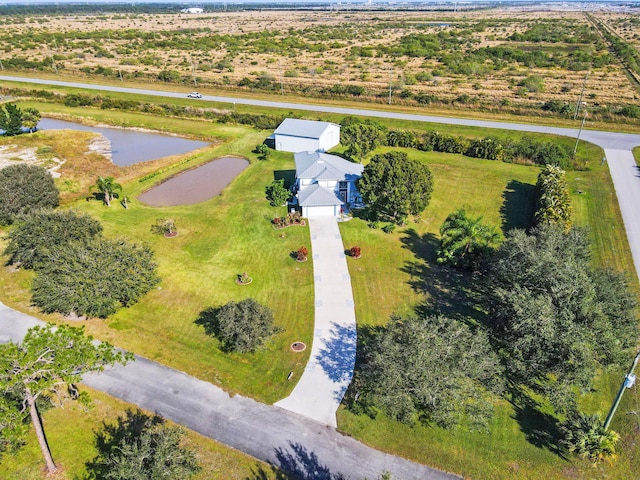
[{"x": 319, "y": 211}]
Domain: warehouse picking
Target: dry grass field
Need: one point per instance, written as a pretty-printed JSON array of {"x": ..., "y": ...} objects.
[{"x": 507, "y": 58}]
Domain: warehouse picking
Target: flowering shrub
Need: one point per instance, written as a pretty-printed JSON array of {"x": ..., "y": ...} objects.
[
  {"x": 355, "y": 252},
  {"x": 301, "y": 254}
]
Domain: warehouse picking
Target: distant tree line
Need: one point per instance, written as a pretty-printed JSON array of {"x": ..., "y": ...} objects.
[{"x": 361, "y": 137}]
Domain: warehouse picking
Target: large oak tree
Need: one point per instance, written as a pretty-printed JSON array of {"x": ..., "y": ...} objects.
[{"x": 395, "y": 186}]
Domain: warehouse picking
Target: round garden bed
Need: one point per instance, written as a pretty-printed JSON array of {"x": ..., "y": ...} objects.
[{"x": 298, "y": 346}]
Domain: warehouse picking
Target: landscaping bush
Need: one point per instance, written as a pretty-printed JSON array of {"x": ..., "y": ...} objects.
[
  {"x": 301, "y": 254},
  {"x": 240, "y": 326},
  {"x": 355, "y": 252},
  {"x": 25, "y": 189}
]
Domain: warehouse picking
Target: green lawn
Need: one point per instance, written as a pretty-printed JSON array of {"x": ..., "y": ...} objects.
[
  {"x": 71, "y": 435},
  {"x": 503, "y": 194},
  {"x": 231, "y": 234}
]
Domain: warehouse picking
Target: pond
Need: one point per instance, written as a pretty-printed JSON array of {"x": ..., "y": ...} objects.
[
  {"x": 130, "y": 146},
  {"x": 197, "y": 185}
]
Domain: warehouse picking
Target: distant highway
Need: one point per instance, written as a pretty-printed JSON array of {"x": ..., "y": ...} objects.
[
  {"x": 604, "y": 139},
  {"x": 617, "y": 146}
]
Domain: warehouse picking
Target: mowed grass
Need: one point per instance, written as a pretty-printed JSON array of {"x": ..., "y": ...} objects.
[
  {"x": 71, "y": 433},
  {"x": 231, "y": 233},
  {"x": 397, "y": 273}
]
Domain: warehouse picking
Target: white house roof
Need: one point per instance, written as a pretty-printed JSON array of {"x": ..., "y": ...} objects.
[
  {"x": 316, "y": 196},
  {"x": 322, "y": 166},
  {"x": 294, "y": 127}
]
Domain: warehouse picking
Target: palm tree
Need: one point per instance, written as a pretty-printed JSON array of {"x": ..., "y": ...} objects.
[
  {"x": 464, "y": 240},
  {"x": 107, "y": 186},
  {"x": 586, "y": 436}
]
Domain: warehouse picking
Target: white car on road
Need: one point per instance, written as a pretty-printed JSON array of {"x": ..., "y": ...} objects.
[{"x": 194, "y": 95}]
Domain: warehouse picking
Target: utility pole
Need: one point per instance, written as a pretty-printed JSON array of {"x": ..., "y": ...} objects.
[
  {"x": 584, "y": 84},
  {"x": 390, "y": 74},
  {"x": 628, "y": 382},
  {"x": 575, "y": 149},
  {"x": 281, "y": 75}
]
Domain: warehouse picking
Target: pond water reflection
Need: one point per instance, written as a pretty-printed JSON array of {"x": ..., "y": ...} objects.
[
  {"x": 130, "y": 146},
  {"x": 197, "y": 185}
]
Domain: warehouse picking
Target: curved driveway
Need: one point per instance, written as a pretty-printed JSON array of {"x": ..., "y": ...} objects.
[{"x": 328, "y": 373}]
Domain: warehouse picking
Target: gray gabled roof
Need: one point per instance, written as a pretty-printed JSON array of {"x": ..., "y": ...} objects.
[
  {"x": 294, "y": 127},
  {"x": 322, "y": 166},
  {"x": 316, "y": 196}
]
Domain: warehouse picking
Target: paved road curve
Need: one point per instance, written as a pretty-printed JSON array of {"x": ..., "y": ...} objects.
[{"x": 294, "y": 443}]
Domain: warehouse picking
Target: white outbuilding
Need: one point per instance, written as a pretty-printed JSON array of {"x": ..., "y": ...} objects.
[
  {"x": 295, "y": 135},
  {"x": 192, "y": 10}
]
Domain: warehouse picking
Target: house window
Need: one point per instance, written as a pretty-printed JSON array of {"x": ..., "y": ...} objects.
[{"x": 343, "y": 188}]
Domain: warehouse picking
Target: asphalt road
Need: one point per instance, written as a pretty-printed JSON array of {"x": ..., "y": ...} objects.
[{"x": 308, "y": 449}]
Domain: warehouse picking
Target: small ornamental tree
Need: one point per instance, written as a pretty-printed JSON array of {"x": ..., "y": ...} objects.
[
  {"x": 108, "y": 187},
  {"x": 38, "y": 234},
  {"x": 49, "y": 361},
  {"x": 277, "y": 194},
  {"x": 355, "y": 252},
  {"x": 553, "y": 203},
  {"x": 24, "y": 189},
  {"x": 30, "y": 118},
  {"x": 240, "y": 326},
  {"x": 395, "y": 186},
  {"x": 465, "y": 241}
]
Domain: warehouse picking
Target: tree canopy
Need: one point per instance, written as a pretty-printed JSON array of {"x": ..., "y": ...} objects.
[
  {"x": 37, "y": 235},
  {"x": 142, "y": 447},
  {"x": 465, "y": 241},
  {"x": 24, "y": 189},
  {"x": 555, "y": 319},
  {"x": 396, "y": 186},
  {"x": 10, "y": 119},
  {"x": 95, "y": 278},
  {"x": 47, "y": 362},
  {"x": 360, "y": 139},
  {"x": 431, "y": 369},
  {"x": 240, "y": 326}
]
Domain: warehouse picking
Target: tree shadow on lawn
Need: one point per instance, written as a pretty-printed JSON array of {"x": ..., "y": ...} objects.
[
  {"x": 288, "y": 175},
  {"x": 454, "y": 293},
  {"x": 518, "y": 207},
  {"x": 540, "y": 428}
]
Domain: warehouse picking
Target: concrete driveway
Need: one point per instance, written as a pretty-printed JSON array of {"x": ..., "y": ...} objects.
[{"x": 328, "y": 373}]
